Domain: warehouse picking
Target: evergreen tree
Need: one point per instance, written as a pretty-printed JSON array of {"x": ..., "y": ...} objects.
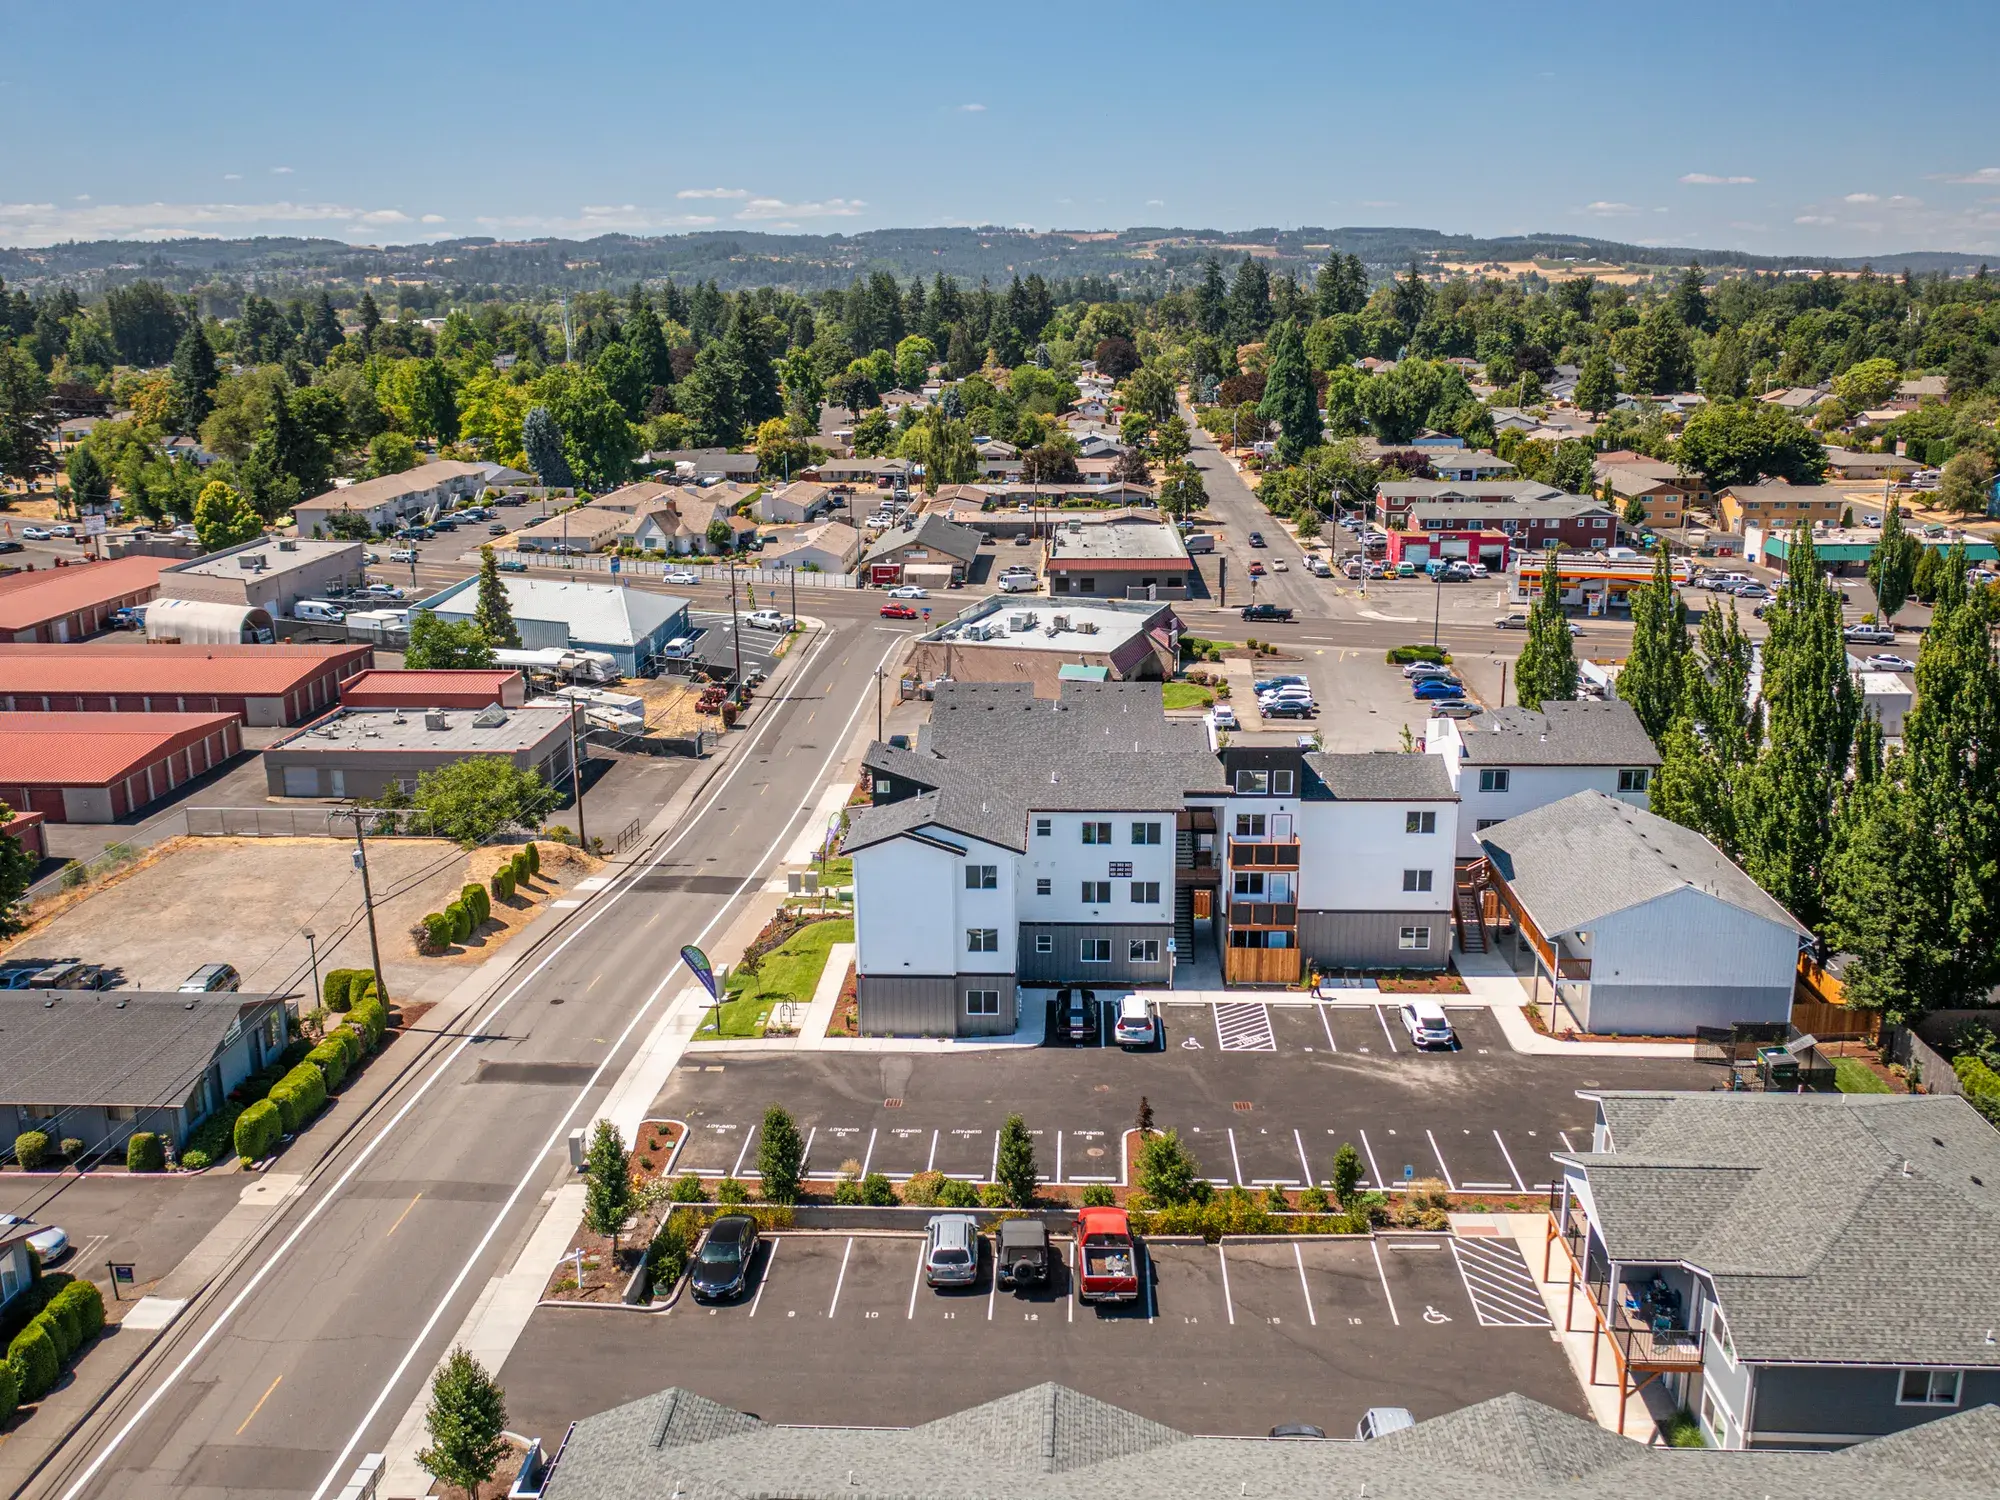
[
  {"x": 1289, "y": 398},
  {"x": 649, "y": 346},
  {"x": 494, "y": 613},
  {"x": 1211, "y": 300},
  {"x": 1016, "y": 1170},
  {"x": 1785, "y": 816},
  {"x": 1249, "y": 301},
  {"x": 1546, "y": 671},
  {"x": 89, "y": 485},
  {"x": 1892, "y": 571},
  {"x": 467, "y": 1416},
  {"x": 26, "y": 422},
  {"x": 1656, "y": 670},
  {"x": 194, "y": 376},
  {"x": 1597, "y": 383},
  {"x": 371, "y": 319},
  {"x": 542, "y": 441},
  {"x": 781, "y": 1156},
  {"x": 607, "y": 1194}
]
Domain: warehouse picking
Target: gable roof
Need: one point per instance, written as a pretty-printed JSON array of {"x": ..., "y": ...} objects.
[
  {"x": 1383, "y": 776},
  {"x": 1836, "y": 1227},
  {"x": 932, "y": 531},
  {"x": 1583, "y": 733},
  {"x": 126, "y": 1047},
  {"x": 1576, "y": 861}
]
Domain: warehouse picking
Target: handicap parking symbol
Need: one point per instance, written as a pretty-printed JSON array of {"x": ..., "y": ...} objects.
[
  {"x": 1193, "y": 1044},
  {"x": 1432, "y": 1315}
]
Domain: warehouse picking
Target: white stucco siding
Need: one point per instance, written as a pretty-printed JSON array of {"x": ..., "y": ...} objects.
[
  {"x": 906, "y": 909},
  {"x": 1062, "y": 859},
  {"x": 1353, "y": 856}
]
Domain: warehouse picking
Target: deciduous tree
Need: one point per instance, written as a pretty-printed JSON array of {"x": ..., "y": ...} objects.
[
  {"x": 1893, "y": 568},
  {"x": 607, "y": 1193},
  {"x": 1655, "y": 672},
  {"x": 223, "y": 518},
  {"x": 781, "y": 1156},
  {"x": 1016, "y": 1171},
  {"x": 467, "y": 1415},
  {"x": 446, "y": 645}
]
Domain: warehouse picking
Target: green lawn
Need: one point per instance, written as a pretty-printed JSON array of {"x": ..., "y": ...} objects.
[
  {"x": 837, "y": 872},
  {"x": 789, "y": 972},
  {"x": 1186, "y": 695},
  {"x": 1852, "y": 1076}
]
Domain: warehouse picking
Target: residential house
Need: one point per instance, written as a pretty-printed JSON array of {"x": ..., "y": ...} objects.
[
  {"x": 1798, "y": 399},
  {"x": 1844, "y": 463},
  {"x": 1774, "y": 504},
  {"x": 706, "y": 463},
  {"x": 1621, "y": 921},
  {"x": 1098, "y": 445},
  {"x": 1802, "y": 1271},
  {"x": 183, "y": 446},
  {"x": 97, "y": 1065},
  {"x": 829, "y": 547},
  {"x": 17, "y": 1261},
  {"x": 701, "y": 509},
  {"x": 393, "y": 499},
  {"x": 581, "y": 528},
  {"x": 1461, "y": 465},
  {"x": 1918, "y": 389},
  {"x": 866, "y": 473},
  {"x": 793, "y": 504},
  {"x": 1661, "y": 488},
  {"x": 1513, "y": 760},
  {"x": 931, "y": 552}
]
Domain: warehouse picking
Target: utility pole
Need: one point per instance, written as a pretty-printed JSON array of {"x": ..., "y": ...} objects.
[
  {"x": 735, "y": 635},
  {"x": 576, "y": 777},
  {"x": 880, "y": 673},
  {"x": 795, "y": 597},
  {"x": 1437, "y": 607},
  {"x": 368, "y": 901}
]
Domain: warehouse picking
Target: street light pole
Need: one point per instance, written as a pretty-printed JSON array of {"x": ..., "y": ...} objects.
[
  {"x": 1437, "y": 607},
  {"x": 880, "y": 673},
  {"x": 576, "y": 778},
  {"x": 735, "y": 635},
  {"x": 312, "y": 952}
]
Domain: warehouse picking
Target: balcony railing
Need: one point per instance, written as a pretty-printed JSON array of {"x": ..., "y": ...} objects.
[
  {"x": 1264, "y": 914},
  {"x": 1264, "y": 854}
]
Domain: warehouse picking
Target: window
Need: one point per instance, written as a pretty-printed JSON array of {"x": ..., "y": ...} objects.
[
  {"x": 1281, "y": 783},
  {"x": 883, "y": 786},
  {"x": 982, "y": 1002},
  {"x": 1715, "y": 1417},
  {"x": 1493, "y": 781},
  {"x": 1093, "y": 950},
  {"x": 1718, "y": 1332},
  {"x": 1145, "y": 893},
  {"x": 1097, "y": 833},
  {"x": 1249, "y": 825},
  {"x": 1096, "y": 892},
  {"x": 1485, "y": 823},
  {"x": 1042, "y": 886},
  {"x": 1418, "y": 938},
  {"x": 1633, "y": 780},
  {"x": 1045, "y": 942},
  {"x": 1599, "y": 524},
  {"x": 1249, "y": 882},
  {"x": 1145, "y": 833},
  {"x": 1253, "y": 783},
  {"x": 118, "y": 1113},
  {"x": 982, "y": 940},
  {"x": 1120, "y": 869},
  {"x": 982, "y": 877},
  {"x": 1145, "y": 950},
  {"x": 1420, "y": 822},
  {"x": 1928, "y": 1388},
  {"x": 1043, "y": 827},
  {"x": 1416, "y": 880}
]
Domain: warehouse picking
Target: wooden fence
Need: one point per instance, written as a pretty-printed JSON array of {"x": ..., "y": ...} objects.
[{"x": 1260, "y": 965}]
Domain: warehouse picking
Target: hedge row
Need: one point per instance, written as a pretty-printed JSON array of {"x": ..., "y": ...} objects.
[
  {"x": 474, "y": 905},
  {"x": 1981, "y": 1085},
  {"x": 302, "y": 1093},
  {"x": 55, "y": 1336},
  {"x": 258, "y": 1130},
  {"x": 299, "y": 1095}
]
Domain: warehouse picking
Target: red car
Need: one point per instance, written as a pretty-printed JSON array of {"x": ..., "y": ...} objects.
[
  {"x": 898, "y": 612},
  {"x": 1256, "y": 569}
]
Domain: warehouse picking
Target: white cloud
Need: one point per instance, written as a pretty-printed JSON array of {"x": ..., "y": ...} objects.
[
  {"x": 1861, "y": 198},
  {"x": 1709, "y": 179},
  {"x": 44, "y": 223},
  {"x": 972, "y": 109},
  {"x": 232, "y": 176},
  {"x": 1984, "y": 177},
  {"x": 1380, "y": 203},
  {"x": 1603, "y": 210},
  {"x": 1156, "y": 203},
  {"x": 777, "y": 208},
  {"x": 281, "y": 171},
  {"x": 713, "y": 193},
  {"x": 1814, "y": 219},
  {"x": 433, "y": 218},
  {"x": 83, "y": 197}
]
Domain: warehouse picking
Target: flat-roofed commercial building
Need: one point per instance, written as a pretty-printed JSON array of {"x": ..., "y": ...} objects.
[
  {"x": 272, "y": 573},
  {"x": 365, "y": 752},
  {"x": 1130, "y": 558}
]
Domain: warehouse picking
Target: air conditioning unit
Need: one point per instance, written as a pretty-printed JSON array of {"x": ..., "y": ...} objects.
[
  {"x": 288, "y": 544},
  {"x": 434, "y": 719},
  {"x": 253, "y": 562}
]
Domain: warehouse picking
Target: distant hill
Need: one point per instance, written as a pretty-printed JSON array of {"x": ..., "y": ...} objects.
[{"x": 1146, "y": 259}]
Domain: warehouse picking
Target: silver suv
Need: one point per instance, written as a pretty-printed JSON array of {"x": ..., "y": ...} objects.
[{"x": 951, "y": 1250}]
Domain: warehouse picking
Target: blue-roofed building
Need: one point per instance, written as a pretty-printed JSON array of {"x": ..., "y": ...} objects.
[{"x": 629, "y": 624}]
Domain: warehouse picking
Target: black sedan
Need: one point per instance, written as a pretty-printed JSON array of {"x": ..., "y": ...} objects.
[{"x": 721, "y": 1268}]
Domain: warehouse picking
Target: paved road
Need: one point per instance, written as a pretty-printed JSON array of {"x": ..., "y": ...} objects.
[{"x": 309, "y": 1353}]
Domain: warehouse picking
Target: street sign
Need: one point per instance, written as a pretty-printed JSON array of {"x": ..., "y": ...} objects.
[
  {"x": 121, "y": 1275},
  {"x": 1409, "y": 1173},
  {"x": 699, "y": 966}
]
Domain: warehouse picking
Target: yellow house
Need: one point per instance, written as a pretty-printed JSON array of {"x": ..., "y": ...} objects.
[{"x": 1777, "y": 506}]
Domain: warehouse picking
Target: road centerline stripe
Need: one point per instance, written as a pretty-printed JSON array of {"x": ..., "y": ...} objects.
[
  {"x": 402, "y": 1216},
  {"x": 259, "y": 1406}
]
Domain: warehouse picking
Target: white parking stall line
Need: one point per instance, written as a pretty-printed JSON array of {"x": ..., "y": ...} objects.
[
  {"x": 1059, "y": 1139},
  {"x": 737, "y": 1170},
  {"x": 1383, "y": 1016},
  {"x": 867, "y": 1160},
  {"x": 1563, "y": 1136},
  {"x": 770, "y": 1254},
  {"x": 1234, "y": 1160},
  {"x": 917, "y": 1277},
  {"x": 1377, "y": 1180},
  {"x": 1228, "y": 1302},
  {"x": 807, "y": 1154},
  {"x": 1442, "y": 1168},
  {"x": 1069, "y": 1301},
  {"x": 993, "y": 1173},
  {"x": 1244, "y": 1026},
  {"x": 1326, "y": 1023},
  {"x": 1152, "y": 1303},
  {"x": 1509, "y": 1157},
  {"x": 1304, "y": 1285},
  {"x": 1375, "y": 1247},
  {"x": 993, "y": 1281},
  {"x": 1304, "y": 1166},
  {"x": 834, "y": 1305},
  {"x": 931, "y": 1160},
  {"x": 1499, "y": 1284}
]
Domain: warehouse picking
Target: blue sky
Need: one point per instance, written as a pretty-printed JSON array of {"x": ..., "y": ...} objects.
[{"x": 1831, "y": 128}]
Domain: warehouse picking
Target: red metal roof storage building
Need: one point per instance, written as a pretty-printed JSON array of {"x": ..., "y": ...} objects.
[
  {"x": 67, "y": 604},
  {"x": 417, "y": 691},
  {"x": 97, "y": 768},
  {"x": 261, "y": 685}
]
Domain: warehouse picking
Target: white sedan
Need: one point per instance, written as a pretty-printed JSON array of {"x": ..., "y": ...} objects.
[
  {"x": 684, "y": 575},
  {"x": 1222, "y": 716},
  {"x": 1278, "y": 565},
  {"x": 51, "y": 1244},
  {"x": 908, "y": 591},
  {"x": 1888, "y": 661}
]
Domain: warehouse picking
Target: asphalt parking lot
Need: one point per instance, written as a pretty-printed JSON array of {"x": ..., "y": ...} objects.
[
  {"x": 1233, "y": 1338},
  {"x": 717, "y": 645},
  {"x": 148, "y": 1222},
  {"x": 1261, "y": 1092}
]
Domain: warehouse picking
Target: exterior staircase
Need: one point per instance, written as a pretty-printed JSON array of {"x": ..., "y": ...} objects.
[
  {"x": 1471, "y": 930},
  {"x": 1184, "y": 923}
]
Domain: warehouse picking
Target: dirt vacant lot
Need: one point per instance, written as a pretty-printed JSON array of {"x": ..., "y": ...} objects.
[{"x": 250, "y": 901}]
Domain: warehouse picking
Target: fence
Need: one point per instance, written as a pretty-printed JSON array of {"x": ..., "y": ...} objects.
[
  {"x": 651, "y": 567},
  {"x": 1929, "y": 1066},
  {"x": 306, "y": 822}
]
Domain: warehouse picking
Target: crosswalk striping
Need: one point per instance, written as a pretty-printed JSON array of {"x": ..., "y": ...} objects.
[
  {"x": 1244, "y": 1027},
  {"x": 1503, "y": 1290}
]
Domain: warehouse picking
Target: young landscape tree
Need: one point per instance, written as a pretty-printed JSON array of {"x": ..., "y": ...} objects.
[
  {"x": 1547, "y": 669},
  {"x": 471, "y": 799},
  {"x": 1168, "y": 1173},
  {"x": 781, "y": 1156},
  {"x": 1893, "y": 568},
  {"x": 467, "y": 1415},
  {"x": 494, "y": 615},
  {"x": 223, "y": 518},
  {"x": 1016, "y": 1170},
  {"x": 446, "y": 645},
  {"x": 607, "y": 1193}
]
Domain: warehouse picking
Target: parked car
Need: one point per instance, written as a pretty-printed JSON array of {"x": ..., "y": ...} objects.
[
  {"x": 1222, "y": 716},
  {"x": 1380, "y": 1421},
  {"x": 1457, "y": 708},
  {"x": 1288, "y": 708},
  {"x": 683, "y": 575},
  {"x": 1427, "y": 1024},
  {"x": 1277, "y": 612},
  {"x": 951, "y": 1250},
  {"x": 1888, "y": 661},
  {"x": 1870, "y": 635},
  {"x": 1515, "y": 621},
  {"x": 1107, "y": 1258},
  {"x": 496, "y": 528},
  {"x": 403, "y": 555},
  {"x": 768, "y": 619},
  {"x": 378, "y": 591},
  {"x": 908, "y": 591},
  {"x": 1406, "y": 570},
  {"x": 1021, "y": 1253},
  {"x": 1282, "y": 679},
  {"x": 210, "y": 978},
  {"x": 721, "y": 1268},
  {"x": 131, "y": 617},
  {"x": 1024, "y": 540},
  {"x": 1355, "y": 568},
  {"x": 1137, "y": 1026},
  {"x": 1417, "y": 670},
  {"x": 1256, "y": 539},
  {"x": 1317, "y": 566},
  {"x": 898, "y": 612},
  {"x": 1480, "y": 570},
  {"x": 1292, "y": 693},
  {"x": 8, "y": 544},
  {"x": 36, "y": 533},
  {"x": 1076, "y": 1014},
  {"x": 1438, "y": 687},
  {"x": 51, "y": 1244}
]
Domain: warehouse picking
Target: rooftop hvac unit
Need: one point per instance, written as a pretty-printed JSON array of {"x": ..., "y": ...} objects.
[
  {"x": 288, "y": 544},
  {"x": 1087, "y": 627},
  {"x": 253, "y": 561},
  {"x": 1022, "y": 621},
  {"x": 434, "y": 719}
]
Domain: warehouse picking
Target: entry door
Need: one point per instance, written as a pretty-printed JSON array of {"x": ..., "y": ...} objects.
[
  {"x": 1281, "y": 828},
  {"x": 1204, "y": 904}
]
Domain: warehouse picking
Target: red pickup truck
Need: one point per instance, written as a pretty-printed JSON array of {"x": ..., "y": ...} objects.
[{"x": 1107, "y": 1258}]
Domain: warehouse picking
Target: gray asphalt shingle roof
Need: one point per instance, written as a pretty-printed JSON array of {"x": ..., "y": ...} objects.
[
  {"x": 994, "y": 752},
  {"x": 1589, "y": 855},
  {"x": 1836, "y": 1227},
  {"x": 1383, "y": 776},
  {"x": 1053, "y": 1443},
  {"x": 122, "y": 1047},
  {"x": 1584, "y": 733},
  {"x": 933, "y": 533}
]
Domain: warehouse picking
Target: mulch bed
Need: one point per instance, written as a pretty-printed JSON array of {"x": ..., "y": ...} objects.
[
  {"x": 604, "y": 1277},
  {"x": 847, "y": 1012},
  {"x": 1446, "y": 983}
]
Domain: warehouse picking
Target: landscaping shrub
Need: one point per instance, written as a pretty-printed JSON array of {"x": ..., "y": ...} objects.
[
  {"x": 668, "y": 1255},
  {"x": 145, "y": 1153},
  {"x": 437, "y": 930},
  {"x": 67, "y": 1323},
  {"x": 31, "y": 1149},
  {"x": 503, "y": 884},
  {"x": 847, "y": 1192},
  {"x": 993, "y": 1195},
  {"x": 1314, "y": 1201},
  {"x": 85, "y": 1295},
  {"x": 1424, "y": 1206},
  {"x": 476, "y": 902},
  {"x": 464, "y": 921},
  {"x": 258, "y": 1130},
  {"x": 957, "y": 1194},
  {"x": 336, "y": 1055},
  {"x": 299, "y": 1095},
  {"x": 687, "y": 1189},
  {"x": 37, "y": 1365},
  {"x": 1276, "y": 1201},
  {"x": 519, "y": 867},
  {"x": 194, "y": 1159},
  {"x": 876, "y": 1191},
  {"x": 372, "y": 1016},
  {"x": 1981, "y": 1085},
  {"x": 729, "y": 1190},
  {"x": 534, "y": 857},
  {"x": 1099, "y": 1195},
  {"x": 337, "y": 992},
  {"x": 921, "y": 1191},
  {"x": 10, "y": 1391},
  {"x": 1434, "y": 655},
  {"x": 72, "y": 1148}
]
